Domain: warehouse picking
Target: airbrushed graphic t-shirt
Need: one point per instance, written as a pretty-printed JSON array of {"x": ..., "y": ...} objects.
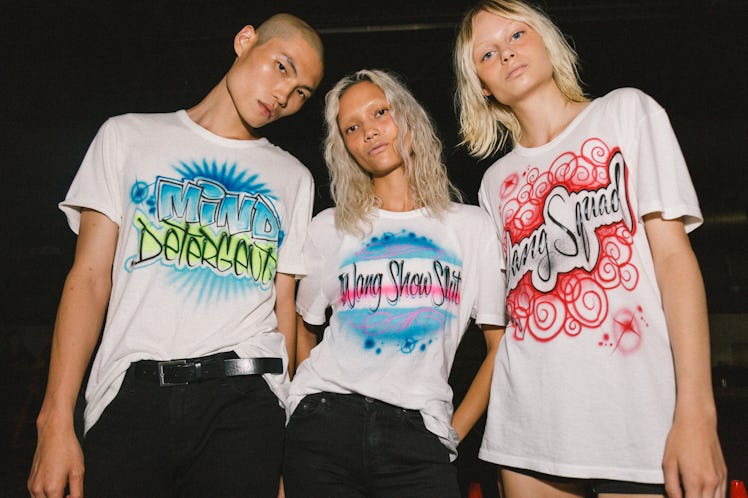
[
  {"x": 205, "y": 222},
  {"x": 583, "y": 383},
  {"x": 401, "y": 298}
]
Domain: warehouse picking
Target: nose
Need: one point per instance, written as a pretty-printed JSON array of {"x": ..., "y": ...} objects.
[
  {"x": 282, "y": 99},
  {"x": 283, "y": 93},
  {"x": 506, "y": 55},
  {"x": 370, "y": 133}
]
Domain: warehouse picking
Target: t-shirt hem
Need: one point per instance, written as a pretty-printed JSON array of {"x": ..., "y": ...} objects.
[
  {"x": 490, "y": 319},
  {"x": 72, "y": 209},
  {"x": 292, "y": 269},
  {"x": 691, "y": 215},
  {"x": 310, "y": 318},
  {"x": 573, "y": 471}
]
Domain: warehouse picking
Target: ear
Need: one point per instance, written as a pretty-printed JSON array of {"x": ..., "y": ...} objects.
[
  {"x": 485, "y": 91},
  {"x": 245, "y": 39}
]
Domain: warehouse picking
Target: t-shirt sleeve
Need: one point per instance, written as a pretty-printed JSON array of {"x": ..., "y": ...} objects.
[
  {"x": 311, "y": 302},
  {"x": 484, "y": 200},
  {"x": 664, "y": 184},
  {"x": 290, "y": 253},
  {"x": 490, "y": 204},
  {"x": 96, "y": 184},
  {"x": 489, "y": 308}
]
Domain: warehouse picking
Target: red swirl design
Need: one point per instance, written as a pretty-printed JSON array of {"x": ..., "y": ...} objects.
[
  {"x": 580, "y": 298},
  {"x": 547, "y": 317},
  {"x": 585, "y": 299}
]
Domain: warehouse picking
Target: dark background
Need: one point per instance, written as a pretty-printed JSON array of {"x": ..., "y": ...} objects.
[{"x": 67, "y": 66}]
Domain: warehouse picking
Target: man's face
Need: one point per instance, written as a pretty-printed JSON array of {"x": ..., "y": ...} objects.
[{"x": 273, "y": 80}]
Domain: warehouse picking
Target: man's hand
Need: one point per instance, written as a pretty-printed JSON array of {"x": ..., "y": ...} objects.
[{"x": 58, "y": 463}]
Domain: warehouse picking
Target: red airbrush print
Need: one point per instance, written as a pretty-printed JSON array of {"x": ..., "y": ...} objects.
[{"x": 568, "y": 240}]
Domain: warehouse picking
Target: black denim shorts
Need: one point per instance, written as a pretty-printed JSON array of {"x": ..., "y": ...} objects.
[{"x": 597, "y": 485}]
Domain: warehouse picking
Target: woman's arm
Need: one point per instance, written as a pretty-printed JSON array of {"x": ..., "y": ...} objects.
[
  {"x": 693, "y": 456},
  {"x": 476, "y": 398}
]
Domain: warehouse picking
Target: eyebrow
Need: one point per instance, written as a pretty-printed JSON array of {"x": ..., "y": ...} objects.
[{"x": 290, "y": 62}]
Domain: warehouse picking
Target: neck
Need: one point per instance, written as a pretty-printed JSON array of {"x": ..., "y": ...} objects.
[
  {"x": 217, "y": 114},
  {"x": 394, "y": 193},
  {"x": 545, "y": 115}
]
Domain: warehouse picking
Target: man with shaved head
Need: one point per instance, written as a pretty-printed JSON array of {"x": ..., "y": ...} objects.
[{"x": 190, "y": 226}]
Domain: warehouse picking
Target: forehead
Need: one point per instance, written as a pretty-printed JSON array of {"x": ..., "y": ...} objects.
[
  {"x": 488, "y": 25},
  {"x": 358, "y": 95}
]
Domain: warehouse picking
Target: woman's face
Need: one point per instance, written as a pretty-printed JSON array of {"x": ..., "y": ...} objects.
[
  {"x": 369, "y": 132},
  {"x": 510, "y": 58}
]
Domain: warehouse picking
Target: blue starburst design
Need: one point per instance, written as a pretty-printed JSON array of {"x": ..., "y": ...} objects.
[
  {"x": 226, "y": 174},
  {"x": 202, "y": 283},
  {"x": 205, "y": 286}
]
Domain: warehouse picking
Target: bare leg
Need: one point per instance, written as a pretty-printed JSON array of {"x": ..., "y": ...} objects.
[
  {"x": 618, "y": 495},
  {"x": 518, "y": 485}
]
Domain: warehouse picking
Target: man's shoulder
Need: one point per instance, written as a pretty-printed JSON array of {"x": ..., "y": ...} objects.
[
  {"x": 288, "y": 162},
  {"x": 143, "y": 118},
  {"x": 140, "y": 122}
]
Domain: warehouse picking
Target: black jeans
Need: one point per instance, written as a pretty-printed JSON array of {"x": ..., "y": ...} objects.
[
  {"x": 220, "y": 437},
  {"x": 346, "y": 445}
]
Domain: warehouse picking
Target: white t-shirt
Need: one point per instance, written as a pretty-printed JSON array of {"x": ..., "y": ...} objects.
[
  {"x": 401, "y": 299},
  {"x": 583, "y": 384},
  {"x": 205, "y": 222}
]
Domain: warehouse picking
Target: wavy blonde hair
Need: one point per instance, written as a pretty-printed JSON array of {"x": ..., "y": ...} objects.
[
  {"x": 485, "y": 123},
  {"x": 352, "y": 187}
]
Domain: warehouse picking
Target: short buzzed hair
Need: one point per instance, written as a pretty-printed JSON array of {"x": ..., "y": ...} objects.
[{"x": 287, "y": 26}]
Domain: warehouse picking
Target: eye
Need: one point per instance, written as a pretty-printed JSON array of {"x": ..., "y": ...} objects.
[
  {"x": 487, "y": 55},
  {"x": 517, "y": 35},
  {"x": 281, "y": 67},
  {"x": 302, "y": 94},
  {"x": 382, "y": 111},
  {"x": 351, "y": 129}
]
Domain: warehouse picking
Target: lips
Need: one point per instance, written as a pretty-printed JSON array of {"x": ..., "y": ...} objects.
[
  {"x": 516, "y": 71},
  {"x": 266, "y": 110},
  {"x": 377, "y": 148}
]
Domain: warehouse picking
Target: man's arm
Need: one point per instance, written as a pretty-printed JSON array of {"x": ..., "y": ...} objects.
[
  {"x": 476, "y": 399},
  {"x": 285, "y": 312},
  {"x": 58, "y": 460},
  {"x": 693, "y": 455}
]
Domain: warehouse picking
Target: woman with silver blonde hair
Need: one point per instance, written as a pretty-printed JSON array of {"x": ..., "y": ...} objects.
[
  {"x": 605, "y": 302},
  {"x": 352, "y": 187},
  {"x": 401, "y": 269}
]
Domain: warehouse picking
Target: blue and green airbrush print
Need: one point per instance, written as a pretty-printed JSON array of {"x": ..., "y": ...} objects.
[{"x": 216, "y": 225}]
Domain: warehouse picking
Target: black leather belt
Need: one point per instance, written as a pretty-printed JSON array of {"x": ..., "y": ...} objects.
[{"x": 180, "y": 372}]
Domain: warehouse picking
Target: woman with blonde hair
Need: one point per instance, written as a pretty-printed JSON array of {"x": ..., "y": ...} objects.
[
  {"x": 401, "y": 267},
  {"x": 605, "y": 303}
]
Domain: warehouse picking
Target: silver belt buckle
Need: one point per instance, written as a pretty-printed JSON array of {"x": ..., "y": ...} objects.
[{"x": 161, "y": 381}]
